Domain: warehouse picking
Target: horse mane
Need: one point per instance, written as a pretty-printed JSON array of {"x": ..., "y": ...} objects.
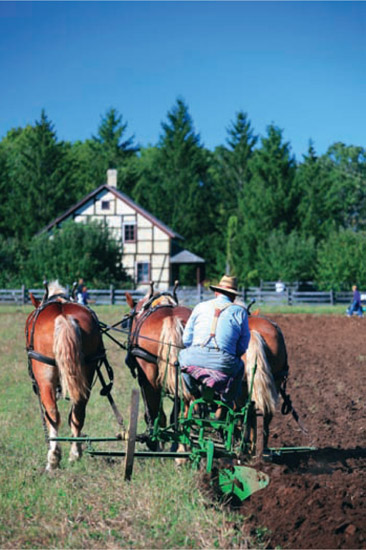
[
  {"x": 156, "y": 300},
  {"x": 56, "y": 288},
  {"x": 164, "y": 300}
]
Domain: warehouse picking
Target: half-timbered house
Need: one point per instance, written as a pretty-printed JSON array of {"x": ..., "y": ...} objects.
[{"x": 151, "y": 249}]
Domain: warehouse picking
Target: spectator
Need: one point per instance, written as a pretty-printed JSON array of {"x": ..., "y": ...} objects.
[
  {"x": 85, "y": 297},
  {"x": 280, "y": 286},
  {"x": 356, "y": 306},
  {"x": 79, "y": 290}
]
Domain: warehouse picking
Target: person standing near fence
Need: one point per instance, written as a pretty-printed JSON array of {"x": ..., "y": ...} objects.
[
  {"x": 79, "y": 291},
  {"x": 356, "y": 306}
]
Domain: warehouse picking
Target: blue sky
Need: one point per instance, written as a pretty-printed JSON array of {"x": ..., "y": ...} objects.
[{"x": 299, "y": 65}]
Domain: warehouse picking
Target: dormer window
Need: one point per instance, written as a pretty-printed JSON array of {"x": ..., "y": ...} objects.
[{"x": 106, "y": 205}]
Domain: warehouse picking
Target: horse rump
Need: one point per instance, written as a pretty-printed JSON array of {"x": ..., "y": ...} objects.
[
  {"x": 67, "y": 347},
  {"x": 264, "y": 394}
]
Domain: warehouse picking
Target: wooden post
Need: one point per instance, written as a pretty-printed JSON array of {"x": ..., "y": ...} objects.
[
  {"x": 111, "y": 294},
  {"x": 331, "y": 296},
  {"x": 23, "y": 295}
]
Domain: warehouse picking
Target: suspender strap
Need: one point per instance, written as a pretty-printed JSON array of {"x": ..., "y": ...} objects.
[{"x": 212, "y": 336}]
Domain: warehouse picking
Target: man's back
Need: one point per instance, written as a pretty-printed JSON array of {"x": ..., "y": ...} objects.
[{"x": 231, "y": 332}]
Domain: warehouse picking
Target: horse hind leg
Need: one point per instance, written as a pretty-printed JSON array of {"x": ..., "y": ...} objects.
[
  {"x": 76, "y": 423},
  {"x": 52, "y": 419}
]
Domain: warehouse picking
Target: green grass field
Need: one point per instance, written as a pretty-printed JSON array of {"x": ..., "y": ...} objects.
[{"x": 88, "y": 504}]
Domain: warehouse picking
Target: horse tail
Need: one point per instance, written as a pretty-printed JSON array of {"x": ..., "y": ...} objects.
[
  {"x": 264, "y": 388},
  {"x": 67, "y": 347},
  {"x": 170, "y": 344}
]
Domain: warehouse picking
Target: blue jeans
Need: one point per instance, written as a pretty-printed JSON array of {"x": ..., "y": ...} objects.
[{"x": 355, "y": 308}]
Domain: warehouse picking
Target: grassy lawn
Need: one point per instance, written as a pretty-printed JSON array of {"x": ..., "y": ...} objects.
[{"x": 88, "y": 504}]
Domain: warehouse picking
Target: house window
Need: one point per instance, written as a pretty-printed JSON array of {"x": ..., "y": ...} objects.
[
  {"x": 143, "y": 272},
  {"x": 129, "y": 233},
  {"x": 105, "y": 205}
]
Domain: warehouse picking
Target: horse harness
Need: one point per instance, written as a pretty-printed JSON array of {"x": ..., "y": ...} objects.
[
  {"x": 30, "y": 328},
  {"x": 134, "y": 350}
]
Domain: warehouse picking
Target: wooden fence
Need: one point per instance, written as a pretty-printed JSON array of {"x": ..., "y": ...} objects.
[{"x": 192, "y": 295}]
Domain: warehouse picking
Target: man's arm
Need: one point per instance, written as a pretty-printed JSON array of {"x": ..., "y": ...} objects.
[{"x": 244, "y": 339}]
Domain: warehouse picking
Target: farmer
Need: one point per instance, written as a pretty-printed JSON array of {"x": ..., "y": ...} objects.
[
  {"x": 215, "y": 338},
  {"x": 356, "y": 306}
]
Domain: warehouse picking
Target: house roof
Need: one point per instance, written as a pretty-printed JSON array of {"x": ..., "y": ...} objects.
[
  {"x": 123, "y": 197},
  {"x": 186, "y": 257}
]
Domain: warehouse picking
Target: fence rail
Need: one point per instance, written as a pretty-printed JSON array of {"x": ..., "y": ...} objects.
[{"x": 192, "y": 295}]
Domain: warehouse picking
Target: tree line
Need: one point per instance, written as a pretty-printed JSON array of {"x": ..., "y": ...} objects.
[{"x": 247, "y": 206}]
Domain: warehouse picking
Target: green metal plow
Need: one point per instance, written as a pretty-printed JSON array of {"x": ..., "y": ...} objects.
[{"x": 230, "y": 441}]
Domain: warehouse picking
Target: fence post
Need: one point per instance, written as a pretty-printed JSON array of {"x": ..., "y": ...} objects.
[
  {"x": 244, "y": 295},
  {"x": 23, "y": 295},
  {"x": 331, "y": 296},
  {"x": 289, "y": 301},
  {"x": 111, "y": 294}
]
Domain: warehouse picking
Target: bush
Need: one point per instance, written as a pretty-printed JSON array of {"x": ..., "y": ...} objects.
[
  {"x": 73, "y": 251},
  {"x": 341, "y": 260},
  {"x": 289, "y": 257}
]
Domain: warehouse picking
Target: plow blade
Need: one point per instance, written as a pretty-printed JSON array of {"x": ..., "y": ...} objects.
[{"x": 242, "y": 481}]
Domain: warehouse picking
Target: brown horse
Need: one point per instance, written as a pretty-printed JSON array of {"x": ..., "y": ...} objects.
[
  {"x": 155, "y": 340},
  {"x": 266, "y": 354},
  {"x": 64, "y": 346},
  {"x": 156, "y": 325}
]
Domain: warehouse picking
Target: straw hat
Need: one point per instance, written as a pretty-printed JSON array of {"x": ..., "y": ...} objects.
[{"x": 227, "y": 285}]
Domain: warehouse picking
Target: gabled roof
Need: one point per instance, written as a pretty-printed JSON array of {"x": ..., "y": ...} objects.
[
  {"x": 121, "y": 196},
  {"x": 186, "y": 257}
]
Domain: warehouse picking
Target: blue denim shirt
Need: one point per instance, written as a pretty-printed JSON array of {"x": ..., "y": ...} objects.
[{"x": 232, "y": 331}]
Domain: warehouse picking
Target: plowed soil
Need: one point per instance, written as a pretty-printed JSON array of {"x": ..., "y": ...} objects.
[{"x": 316, "y": 499}]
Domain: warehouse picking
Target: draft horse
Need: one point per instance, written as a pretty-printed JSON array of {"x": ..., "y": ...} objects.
[
  {"x": 157, "y": 325},
  {"x": 64, "y": 347},
  {"x": 266, "y": 358},
  {"x": 155, "y": 339}
]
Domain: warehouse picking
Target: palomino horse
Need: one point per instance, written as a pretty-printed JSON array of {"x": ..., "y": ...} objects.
[
  {"x": 267, "y": 356},
  {"x": 64, "y": 347},
  {"x": 160, "y": 322},
  {"x": 155, "y": 336}
]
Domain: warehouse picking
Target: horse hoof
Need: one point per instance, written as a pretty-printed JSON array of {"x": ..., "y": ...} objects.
[
  {"x": 51, "y": 467},
  {"x": 73, "y": 457}
]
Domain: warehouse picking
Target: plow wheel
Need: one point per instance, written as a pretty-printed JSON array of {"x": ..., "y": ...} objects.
[
  {"x": 250, "y": 431},
  {"x": 132, "y": 430}
]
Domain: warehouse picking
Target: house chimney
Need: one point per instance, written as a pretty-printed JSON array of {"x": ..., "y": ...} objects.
[{"x": 112, "y": 178}]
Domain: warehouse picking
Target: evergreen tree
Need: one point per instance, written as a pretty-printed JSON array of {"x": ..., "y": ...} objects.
[
  {"x": 42, "y": 181},
  {"x": 230, "y": 173},
  {"x": 269, "y": 200},
  {"x": 111, "y": 149},
  {"x": 313, "y": 183},
  {"x": 231, "y": 163},
  {"x": 175, "y": 184}
]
